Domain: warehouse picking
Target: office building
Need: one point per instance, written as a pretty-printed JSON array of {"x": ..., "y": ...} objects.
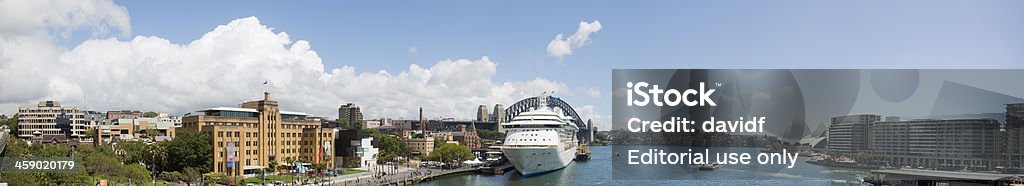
[
  {"x": 50, "y": 122},
  {"x": 246, "y": 139},
  {"x": 851, "y": 133}
]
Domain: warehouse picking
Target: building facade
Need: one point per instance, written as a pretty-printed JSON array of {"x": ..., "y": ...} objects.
[
  {"x": 1015, "y": 137},
  {"x": 851, "y": 133},
  {"x": 258, "y": 133},
  {"x": 954, "y": 144},
  {"x": 49, "y": 119},
  {"x": 142, "y": 129},
  {"x": 350, "y": 112},
  {"x": 420, "y": 146},
  {"x": 482, "y": 114},
  {"x": 467, "y": 137},
  {"x": 124, "y": 114}
]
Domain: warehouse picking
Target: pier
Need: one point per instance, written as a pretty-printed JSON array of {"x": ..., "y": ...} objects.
[
  {"x": 407, "y": 177},
  {"x": 497, "y": 170},
  {"x": 934, "y": 177}
]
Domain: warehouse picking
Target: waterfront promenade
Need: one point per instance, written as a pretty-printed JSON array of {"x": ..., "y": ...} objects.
[{"x": 404, "y": 176}]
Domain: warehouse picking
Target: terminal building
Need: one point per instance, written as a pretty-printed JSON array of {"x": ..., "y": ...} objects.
[{"x": 248, "y": 138}]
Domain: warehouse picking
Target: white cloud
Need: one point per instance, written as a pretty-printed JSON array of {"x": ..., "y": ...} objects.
[
  {"x": 603, "y": 122},
  {"x": 563, "y": 46},
  {"x": 229, "y": 64},
  {"x": 413, "y": 50},
  {"x": 590, "y": 91},
  {"x": 27, "y": 17}
]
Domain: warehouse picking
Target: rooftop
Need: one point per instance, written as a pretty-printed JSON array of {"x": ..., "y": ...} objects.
[{"x": 236, "y": 109}]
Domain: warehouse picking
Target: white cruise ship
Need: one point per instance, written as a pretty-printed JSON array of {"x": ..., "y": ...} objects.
[{"x": 540, "y": 141}]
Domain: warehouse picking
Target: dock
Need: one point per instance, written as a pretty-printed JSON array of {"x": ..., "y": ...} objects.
[
  {"x": 934, "y": 177},
  {"x": 497, "y": 170}
]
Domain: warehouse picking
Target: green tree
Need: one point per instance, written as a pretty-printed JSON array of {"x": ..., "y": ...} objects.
[
  {"x": 11, "y": 123},
  {"x": 191, "y": 175},
  {"x": 356, "y": 125},
  {"x": 390, "y": 147},
  {"x": 450, "y": 152},
  {"x": 189, "y": 149},
  {"x": 273, "y": 166},
  {"x": 491, "y": 135},
  {"x": 438, "y": 142},
  {"x": 150, "y": 114},
  {"x": 345, "y": 123},
  {"x": 137, "y": 173},
  {"x": 133, "y": 152},
  {"x": 173, "y": 177}
]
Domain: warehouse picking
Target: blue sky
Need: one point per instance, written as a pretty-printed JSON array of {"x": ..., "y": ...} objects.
[{"x": 375, "y": 35}]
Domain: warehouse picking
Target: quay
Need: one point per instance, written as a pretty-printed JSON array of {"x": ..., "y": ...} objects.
[
  {"x": 405, "y": 177},
  {"x": 934, "y": 177},
  {"x": 497, "y": 170}
]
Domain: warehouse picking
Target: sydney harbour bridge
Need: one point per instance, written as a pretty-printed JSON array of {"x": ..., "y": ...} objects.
[{"x": 585, "y": 134}]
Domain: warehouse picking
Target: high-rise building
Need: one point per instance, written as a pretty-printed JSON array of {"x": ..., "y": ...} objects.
[
  {"x": 258, "y": 133},
  {"x": 1015, "y": 137},
  {"x": 851, "y": 133},
  {"x": 591, "y": 131},
  {"x": 482, "y": 114},
  {"x": 350, "y": 112},
  {"x": 49, "y": 121}
]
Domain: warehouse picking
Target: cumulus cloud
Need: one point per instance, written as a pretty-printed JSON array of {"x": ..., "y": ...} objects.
[
  {"x": 590, "y": 91},
  {"x": 603, "y": 122},
  {"x": 229, "y": 64},
  {"x": 563, "y": 46},
  {"x": 26, "y": 17}
]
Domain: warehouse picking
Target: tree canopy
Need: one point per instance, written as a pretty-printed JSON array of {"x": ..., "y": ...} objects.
[
  {"x": 451, "y": 152},
  {"x": 189, "y": 149}
]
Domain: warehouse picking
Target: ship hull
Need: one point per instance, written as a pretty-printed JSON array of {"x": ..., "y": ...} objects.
[{"x": 531, "y": 161}]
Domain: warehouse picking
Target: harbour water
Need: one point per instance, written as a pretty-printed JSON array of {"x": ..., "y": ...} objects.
[{"x": 598, "y": 171}]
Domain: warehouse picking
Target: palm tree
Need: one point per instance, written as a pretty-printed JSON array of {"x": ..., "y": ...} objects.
[{"x": 273, "y": 165}]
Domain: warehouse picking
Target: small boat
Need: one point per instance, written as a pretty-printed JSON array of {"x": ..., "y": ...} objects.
[{"x": 708, "y": 167}]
